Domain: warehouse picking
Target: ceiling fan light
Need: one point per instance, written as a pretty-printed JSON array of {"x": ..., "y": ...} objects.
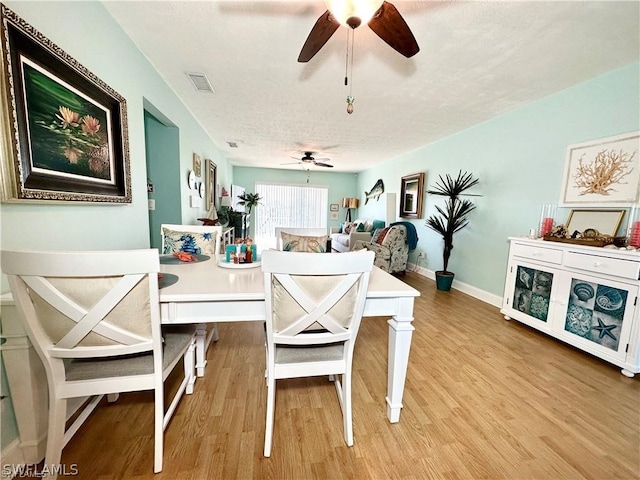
[{"x": 342, "y": 10}]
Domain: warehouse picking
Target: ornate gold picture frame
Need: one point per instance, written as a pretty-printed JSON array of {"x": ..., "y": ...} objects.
[{"x": 64, "y": 131}]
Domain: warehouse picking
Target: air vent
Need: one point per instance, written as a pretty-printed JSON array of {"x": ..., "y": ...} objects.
[
  {"x": 232, "y": 144},
  {"x": 200, "y": 82}
]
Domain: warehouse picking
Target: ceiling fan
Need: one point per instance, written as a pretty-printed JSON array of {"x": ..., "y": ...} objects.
[
  {"x": 308, "y": 161},
  {"x": 381, "y": 16}
]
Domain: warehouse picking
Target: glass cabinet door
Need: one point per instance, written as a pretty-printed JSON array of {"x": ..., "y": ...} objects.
[
  {"x": 597, "y": 314},
  {"x": 528, "y": 298}
]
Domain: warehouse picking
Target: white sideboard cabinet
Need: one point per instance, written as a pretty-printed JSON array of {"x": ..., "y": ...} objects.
[{"x": 585, "y": 296}]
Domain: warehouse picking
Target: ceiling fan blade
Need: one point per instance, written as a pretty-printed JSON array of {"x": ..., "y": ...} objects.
[
  {"x": 325, "y": 26},
  {"x": 389, "y": 25},
  {"x": 291, "y": 163},
  {"x": 320, "y": 164}
]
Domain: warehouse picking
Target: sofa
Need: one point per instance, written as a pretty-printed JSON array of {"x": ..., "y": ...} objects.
[
  {"x": 344, "y": 237},
  {"x": 391, "y": 247}
]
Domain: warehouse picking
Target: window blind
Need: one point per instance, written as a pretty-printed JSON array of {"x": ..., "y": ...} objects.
[{"x": 295, "y": 206}]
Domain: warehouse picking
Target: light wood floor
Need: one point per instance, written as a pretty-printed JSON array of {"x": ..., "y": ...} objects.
[{"x": 484, "y": 399}]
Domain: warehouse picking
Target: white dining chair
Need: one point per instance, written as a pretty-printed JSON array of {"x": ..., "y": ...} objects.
[
  {"x": 94, "y": 320},
  {"x": 208, "y": 240},
  {"x": 314, "y": 305}
]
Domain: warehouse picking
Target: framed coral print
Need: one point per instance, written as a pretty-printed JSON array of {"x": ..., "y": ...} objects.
[
  {"x": 64, "y": 131},
  {"x": 603, "y": 172},
  {"x": 411, "y": 193}
]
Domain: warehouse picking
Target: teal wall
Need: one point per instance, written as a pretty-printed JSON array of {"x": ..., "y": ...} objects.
[
  {"x": 340, "y": 184},
  {"x": 519, "y": 158},
  {"x": 163, "y": 171},
  {"x": 122, "y": 66},
  {"x": 87, "y": 32}
]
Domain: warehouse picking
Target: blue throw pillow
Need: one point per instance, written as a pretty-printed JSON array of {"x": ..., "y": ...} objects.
[
  {"x": 194, "y": 243},
  {"x": 378, "y": 224}
]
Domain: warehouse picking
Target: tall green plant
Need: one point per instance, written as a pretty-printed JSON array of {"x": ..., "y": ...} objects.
[
  {"x": 248, "y": 200},
  {"x": 454, "y": 216}
]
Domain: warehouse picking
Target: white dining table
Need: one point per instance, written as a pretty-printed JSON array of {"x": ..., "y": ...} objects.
[{"x": 205, "y": 292}]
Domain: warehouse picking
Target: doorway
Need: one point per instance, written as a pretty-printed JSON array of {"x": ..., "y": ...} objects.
[{"x": 163, "y": 172}]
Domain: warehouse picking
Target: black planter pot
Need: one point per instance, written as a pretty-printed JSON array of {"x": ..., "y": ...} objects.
[
  {"x": 444, "y": 280},
  {"x": 237, "y": 226}
]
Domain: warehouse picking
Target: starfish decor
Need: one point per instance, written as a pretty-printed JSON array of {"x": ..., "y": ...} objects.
[{"x": 605, "y": 330}]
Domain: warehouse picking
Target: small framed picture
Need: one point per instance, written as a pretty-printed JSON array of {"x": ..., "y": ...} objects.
[
  {"x": 334, "y": 215},
  {"x": 197, "y": 165},
  {"x": 605, "y": 222},
  {"x": 334, "y": 207}
]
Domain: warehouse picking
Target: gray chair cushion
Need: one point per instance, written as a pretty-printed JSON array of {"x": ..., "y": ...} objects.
[
  {"x": 176, "y": 338},
  {"x": 289, "y": 354}
]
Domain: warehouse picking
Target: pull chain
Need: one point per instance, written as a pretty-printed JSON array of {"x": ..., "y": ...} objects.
[
  {"x": 349, "y": 71},
  {"x": 346, "y": 62}
]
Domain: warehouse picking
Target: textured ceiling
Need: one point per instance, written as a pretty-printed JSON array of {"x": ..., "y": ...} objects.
[{"x": 477, "y": 60}]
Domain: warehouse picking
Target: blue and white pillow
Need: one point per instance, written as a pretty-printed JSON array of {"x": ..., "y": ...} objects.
[{"x": 194, "y": 243}]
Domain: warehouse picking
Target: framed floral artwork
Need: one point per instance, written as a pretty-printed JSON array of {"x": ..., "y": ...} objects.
[
  {"x": 64, "y": 131},
  {"x": 603, "y": 172}
]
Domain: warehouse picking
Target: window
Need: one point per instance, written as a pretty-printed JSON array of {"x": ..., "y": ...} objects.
[{"x": 296, "y": 206}]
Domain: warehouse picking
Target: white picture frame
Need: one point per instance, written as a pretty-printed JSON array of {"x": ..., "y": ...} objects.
[{"x": 584, "y": 186}]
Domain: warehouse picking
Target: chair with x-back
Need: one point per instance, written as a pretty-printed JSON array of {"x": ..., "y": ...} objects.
[
  {"x": 314, "y": 305},
  {"x": 197, "y": 240},
  {"x": 94, "y": 320}
]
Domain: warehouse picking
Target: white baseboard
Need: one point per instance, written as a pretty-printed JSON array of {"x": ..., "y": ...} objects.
[
  {"x": 12, "y": 454},
  {"x": 482, "y": 295}
]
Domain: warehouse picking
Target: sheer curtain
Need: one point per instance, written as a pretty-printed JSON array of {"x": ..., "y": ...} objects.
[{"x": 296, "y": 206}]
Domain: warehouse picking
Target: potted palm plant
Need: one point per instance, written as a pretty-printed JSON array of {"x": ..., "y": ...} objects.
[
  {"x": 450, "y": 219},
  {"x": 248, "y": 200}
]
